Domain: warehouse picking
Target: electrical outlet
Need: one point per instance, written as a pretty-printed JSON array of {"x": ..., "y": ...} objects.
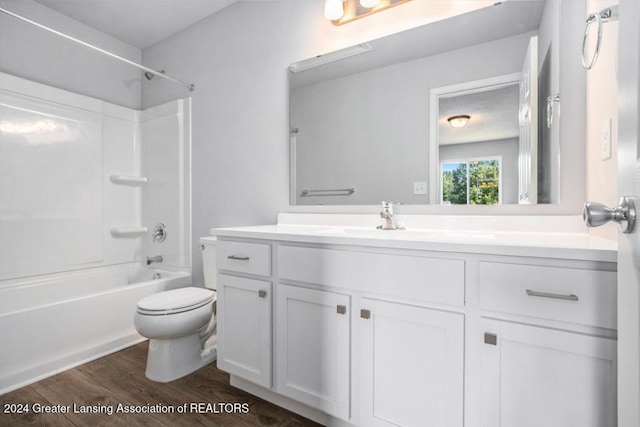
[
  {"x": 419, "y": 188},
  {"x": 606, "y": 140}
]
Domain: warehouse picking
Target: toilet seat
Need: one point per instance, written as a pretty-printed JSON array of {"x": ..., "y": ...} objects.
[{"x": 175, "y": 301}]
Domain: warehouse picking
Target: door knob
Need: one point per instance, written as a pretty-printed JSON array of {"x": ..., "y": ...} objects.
[{"x": 597, "y": 214}]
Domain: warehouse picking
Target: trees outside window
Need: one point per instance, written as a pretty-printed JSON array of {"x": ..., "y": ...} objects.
[{"x": 471, "y": 182}]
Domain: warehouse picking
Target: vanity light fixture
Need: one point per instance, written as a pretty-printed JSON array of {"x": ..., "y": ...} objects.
[
  {"x": 369, "y": 3},
  {"x": 459, "y": 121},
  {"x": 330, "y": 57},
  {"x": 344, "y": 11},
  {"x": 333, "y": 9}
]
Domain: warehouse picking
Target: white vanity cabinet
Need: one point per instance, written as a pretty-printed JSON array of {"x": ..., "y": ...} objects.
[
  {"x": 362, "y": 335},
  {"x": 406, "y": 361},
  {"x": 314, "y": 347},
  {"x": 533, "y": 376},
  {"x": 411, "y": 365},
  {"x": 544, "y": 362},
  {"x": 244, "y": 311}
]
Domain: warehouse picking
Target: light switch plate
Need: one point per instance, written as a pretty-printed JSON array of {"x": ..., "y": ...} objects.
[
  {"x": 606, "y": 140},
  {"x": 419, "y": 188}
]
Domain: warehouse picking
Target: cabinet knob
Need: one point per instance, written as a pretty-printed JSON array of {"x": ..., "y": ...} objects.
[
  {"x": 341, "y": 309},
  {"x": 365, "y": 314},
  {"x": 262, "y": 293},
  {"x": 491, "y": 339}
]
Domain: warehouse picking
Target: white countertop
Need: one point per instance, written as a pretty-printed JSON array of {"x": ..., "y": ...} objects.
[{"x": 578, "y": 246}]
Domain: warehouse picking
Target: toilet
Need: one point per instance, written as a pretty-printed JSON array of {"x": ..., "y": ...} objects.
[{"x": 179, "y": 324}]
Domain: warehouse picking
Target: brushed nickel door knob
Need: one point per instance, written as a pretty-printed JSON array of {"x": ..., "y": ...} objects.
[{"x": 596, "y": 214}]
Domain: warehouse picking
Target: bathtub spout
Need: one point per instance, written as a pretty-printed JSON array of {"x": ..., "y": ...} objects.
[{"x": 151, "y": 260}]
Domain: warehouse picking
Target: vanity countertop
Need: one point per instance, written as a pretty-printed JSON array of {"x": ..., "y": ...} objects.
[{"x": 578, "y": 246}]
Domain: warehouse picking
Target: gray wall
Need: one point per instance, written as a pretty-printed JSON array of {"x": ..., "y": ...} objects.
[
  {"x": 238, "y": 60},
  {"x": 370, "y": 130},
  {"x": 506, "y": 148},
  {"x": 35, "y": 54}
]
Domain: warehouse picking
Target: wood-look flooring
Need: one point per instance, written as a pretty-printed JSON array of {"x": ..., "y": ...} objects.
[{"x": 119, "y": 378}]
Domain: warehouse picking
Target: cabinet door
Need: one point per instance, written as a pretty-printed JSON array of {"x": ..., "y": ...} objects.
[
  {"x": 313, "y": 348},
  {"x": 534, "y": 377},
  {"x": 412, "y": 365},
  {"x": 244, "y": 328}
]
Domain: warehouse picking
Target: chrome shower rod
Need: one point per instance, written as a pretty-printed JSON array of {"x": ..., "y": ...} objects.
[{"x": 189, "y": 86}]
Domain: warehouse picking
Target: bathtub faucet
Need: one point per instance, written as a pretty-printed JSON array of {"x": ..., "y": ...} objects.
[{"x": 152, "y": 259}]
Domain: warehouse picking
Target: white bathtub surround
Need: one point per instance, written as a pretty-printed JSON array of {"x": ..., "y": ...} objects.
[
  {"x": 69, "y": 229},
  {"x": 55, "y": 322},
  {"x": 438, "y": 324},
  {"x": 60, "y": 209}
]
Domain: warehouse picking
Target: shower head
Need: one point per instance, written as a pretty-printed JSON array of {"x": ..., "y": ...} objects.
[{"x": 149, "y": 75}]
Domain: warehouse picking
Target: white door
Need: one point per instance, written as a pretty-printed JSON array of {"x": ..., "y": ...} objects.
[
  {"x": 411, "y": 362},
  {"x": 244, "y": 328},
  {"x": 629, "y": 244},
  {"x": 314, "y": 348},
  {"x": 533, "y": 376},
  {"x": 528, "y": 119}
]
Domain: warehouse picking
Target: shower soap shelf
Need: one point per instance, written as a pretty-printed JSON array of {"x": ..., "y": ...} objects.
[
  {"x": 128, "y": 179},
  {"x": 128, "y": 231}
]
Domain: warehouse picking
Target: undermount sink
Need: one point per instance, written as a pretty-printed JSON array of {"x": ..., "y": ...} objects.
[{"x": 403, "y": 234}]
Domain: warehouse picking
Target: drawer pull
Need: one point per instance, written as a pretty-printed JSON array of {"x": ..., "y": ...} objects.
[
  {"x": 238, "y": 258},
  {"x": 365, "y": 314},
  {"x": 262, "y": 293},
  {"x": 571, "y": 297},
  {"x": 341, "y": 309}
]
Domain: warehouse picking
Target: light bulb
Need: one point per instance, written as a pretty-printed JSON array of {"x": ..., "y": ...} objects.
[
  {"x": 369, "y": 3},
  {"x": 333, "y": 9}
]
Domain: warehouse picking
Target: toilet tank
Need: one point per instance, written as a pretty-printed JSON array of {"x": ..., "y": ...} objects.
[{"x": 209, "y": 262}]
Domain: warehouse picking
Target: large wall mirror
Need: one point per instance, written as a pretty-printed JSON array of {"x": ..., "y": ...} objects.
[{"x": 463, "y": 111}]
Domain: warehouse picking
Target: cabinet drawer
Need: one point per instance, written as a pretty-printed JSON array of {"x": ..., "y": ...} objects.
[
  {"x": 586, "y": 297},
  {"x": 250, "y": 258},
  {"x": 416, "y": 278}
]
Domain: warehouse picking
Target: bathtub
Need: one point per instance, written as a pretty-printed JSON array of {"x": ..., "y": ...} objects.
[{"x": 55, "y": 322}]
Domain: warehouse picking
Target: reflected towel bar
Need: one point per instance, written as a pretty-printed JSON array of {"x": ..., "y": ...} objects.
[
  {"x": 128, "y": 231},
  {"x": 336, "y": 192},
  {"x": 128, "y": 179}
]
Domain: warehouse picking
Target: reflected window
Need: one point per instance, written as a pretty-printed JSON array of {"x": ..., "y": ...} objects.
[{"x": 471, "y": 182}]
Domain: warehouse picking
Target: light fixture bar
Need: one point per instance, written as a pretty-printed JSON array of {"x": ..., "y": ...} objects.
[
  {"x": 330, "y": 57},
  {"x": 355, "y": 9},
  {"x": 189, "y": 86}
]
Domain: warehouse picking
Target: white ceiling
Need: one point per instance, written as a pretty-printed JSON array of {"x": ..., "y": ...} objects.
[
  {"x": 494, "y": 116},
  {"x": 140, "y": 23}
]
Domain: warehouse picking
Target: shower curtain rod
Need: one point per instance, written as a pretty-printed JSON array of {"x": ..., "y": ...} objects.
[{"x": 189, "y": 86}]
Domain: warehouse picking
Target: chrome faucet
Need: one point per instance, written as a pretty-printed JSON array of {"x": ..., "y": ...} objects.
[
  {"x": 152, "y": 259},
  {"x": 388, "y": 221}
]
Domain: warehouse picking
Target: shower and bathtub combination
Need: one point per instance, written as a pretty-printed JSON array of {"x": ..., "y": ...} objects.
[{"x": 83, "y": 183}]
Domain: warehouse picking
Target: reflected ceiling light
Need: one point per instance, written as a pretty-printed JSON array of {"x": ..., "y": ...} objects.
[
  {"x": 333, "y": 9},
  {"x": 459, "y": 121}
]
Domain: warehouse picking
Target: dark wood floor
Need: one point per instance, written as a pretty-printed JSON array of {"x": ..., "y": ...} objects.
[{"x": 119, "y": 379}]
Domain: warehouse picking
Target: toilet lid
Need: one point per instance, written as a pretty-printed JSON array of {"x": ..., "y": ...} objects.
[{"x": 177, "y": 299}]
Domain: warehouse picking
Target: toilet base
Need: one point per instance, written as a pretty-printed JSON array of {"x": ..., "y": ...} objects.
[{"x": 174, "y": 358}]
